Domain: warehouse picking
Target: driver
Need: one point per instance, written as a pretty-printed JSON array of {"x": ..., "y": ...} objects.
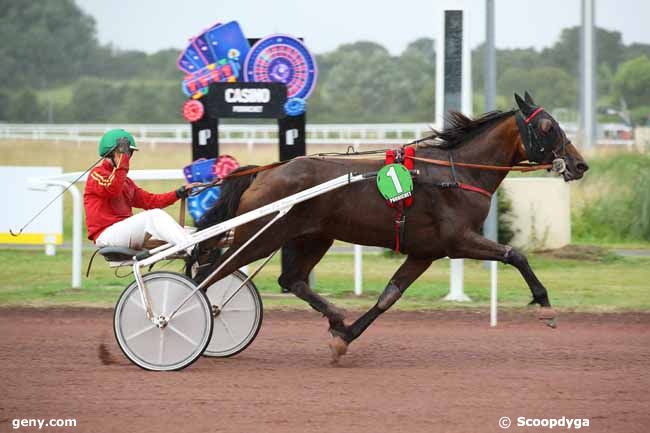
[{"x": 109, "y": 196}]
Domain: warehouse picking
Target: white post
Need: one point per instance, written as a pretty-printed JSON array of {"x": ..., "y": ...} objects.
[
  {"x": 358, "y": 270},
  {"x": 588, "y": 76},
  {"x": 76, "y": 229},
  {"x": 440, "y": 75},
  {"x": 50, "y": 245},
  {"x": 76, "y": 237},
  {"x": 456, "y": 291},
  {"x": 493, "y": 294}
]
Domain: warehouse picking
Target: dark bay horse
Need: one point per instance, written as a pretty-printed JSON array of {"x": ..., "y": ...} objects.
[{"x": 441, "y": 222}]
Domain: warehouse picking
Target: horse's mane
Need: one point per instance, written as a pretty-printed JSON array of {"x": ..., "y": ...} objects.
[{"x": 461, "y": 128}]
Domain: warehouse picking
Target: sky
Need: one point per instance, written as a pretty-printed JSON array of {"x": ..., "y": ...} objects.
[{"x": 152, "y": 25}]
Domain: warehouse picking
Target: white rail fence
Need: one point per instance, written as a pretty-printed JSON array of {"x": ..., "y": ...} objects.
[
  {"x": 397, "y": 133},
  {"x": 341, "y": 133}
]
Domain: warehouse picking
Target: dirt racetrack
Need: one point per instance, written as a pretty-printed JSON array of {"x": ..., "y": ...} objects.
[{"x": 411, "y": 372}]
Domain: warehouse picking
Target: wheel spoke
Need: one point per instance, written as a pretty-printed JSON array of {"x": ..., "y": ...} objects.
[
  {"x": 136, "y": 301},
  {"x": 237, "y": 310},
  {"x": 161, "y": 348},
  {"x": 182, "y": 335},
  {"x": 165, "y": 296},
  {"x": 187, "y": 310},
  {"x": 138, "y": 333},
  {"x": 228, "y": 330},
  {"x": 227, "y": 289}
]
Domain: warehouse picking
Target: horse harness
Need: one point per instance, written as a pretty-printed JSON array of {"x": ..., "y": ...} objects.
[
  {"x": 538, "y": 149},
  {"x": 406, "y": 155},
  {"x": 400, "y": 156}
]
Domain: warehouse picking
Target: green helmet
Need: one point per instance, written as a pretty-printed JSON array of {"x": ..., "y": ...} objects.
[{"x": 111, "y": 139}]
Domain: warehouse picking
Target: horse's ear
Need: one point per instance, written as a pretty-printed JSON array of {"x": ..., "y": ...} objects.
[
  {"x": 529, "y": 99},
  {"x": 523, "y": 105}
]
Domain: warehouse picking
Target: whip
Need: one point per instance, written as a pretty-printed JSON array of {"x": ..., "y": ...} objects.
[{"x": 53, "y": 200}]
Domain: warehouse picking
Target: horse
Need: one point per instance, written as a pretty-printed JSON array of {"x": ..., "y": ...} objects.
[{"x": 445, "y": 220}]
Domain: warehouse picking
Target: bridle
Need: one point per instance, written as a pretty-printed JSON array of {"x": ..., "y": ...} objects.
[{"x": 539, "y": 149}]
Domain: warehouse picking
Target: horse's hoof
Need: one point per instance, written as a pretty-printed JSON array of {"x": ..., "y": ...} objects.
[
  {"x": 550, "y": 323},
  {"x": 338, "y": 348},
  {"x": 547, "y": 315}
]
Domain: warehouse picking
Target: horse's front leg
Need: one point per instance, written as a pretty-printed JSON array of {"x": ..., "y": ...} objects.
[
  {"x": 474, "y": 246},
  {"x": 410, "y": 270}
]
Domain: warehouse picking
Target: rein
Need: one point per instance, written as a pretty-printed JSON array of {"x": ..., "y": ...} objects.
[
  {"x": 524, "y": 167},
  {"x": 520, "y": 167},
  {"x": 255, "y": 170}
]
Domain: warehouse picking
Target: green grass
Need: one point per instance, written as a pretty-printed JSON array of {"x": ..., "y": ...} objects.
[{"x": 28, "y": 277}]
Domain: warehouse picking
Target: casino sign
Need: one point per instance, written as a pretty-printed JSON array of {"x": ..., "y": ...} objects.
[
  {"x": 247, "y": 100},
  {"x": 221, "y": 56},
  {"x": 228, "y": 75}
]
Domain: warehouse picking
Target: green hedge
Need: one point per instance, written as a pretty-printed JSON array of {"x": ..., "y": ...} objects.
[{"x": 617, "y": 201}]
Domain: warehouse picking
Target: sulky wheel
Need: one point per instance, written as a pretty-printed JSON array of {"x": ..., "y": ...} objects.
[
  {"x": 174, "y": 345},
  {"x": 236, "y": 323}
]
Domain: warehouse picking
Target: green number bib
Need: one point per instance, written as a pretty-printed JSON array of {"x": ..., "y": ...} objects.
[{"x": 394, "y": 182}]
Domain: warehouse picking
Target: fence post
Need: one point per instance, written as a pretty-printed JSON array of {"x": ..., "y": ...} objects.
[
  {"x": 456, "y": 292},
  {"x": 76, "y": 229},
  {"x": 358, "y": 270},
  {"x": 493, "y": 294}
]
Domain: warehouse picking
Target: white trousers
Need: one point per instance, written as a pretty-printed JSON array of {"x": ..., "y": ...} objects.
[{"x": 131, "y": 231}]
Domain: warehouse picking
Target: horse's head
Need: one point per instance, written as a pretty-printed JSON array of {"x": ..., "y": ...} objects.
[{"x": 545, "y": 141}]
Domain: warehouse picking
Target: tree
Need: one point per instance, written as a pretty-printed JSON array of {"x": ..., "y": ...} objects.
[
  {"x": 519, "y": 58},
  {"x": 95, "y": 100},
  {"x": 635, "y": 50},
  {"x": 565, "y": 53},
  {"x": 5, "y": 98},
  {"x": 632, "y": 81},
  {"x": 551, "y": 87},
  {"x": 24, "y": 107},
  {"x": 151, "y": 103},
  {"x": 355, "y": 85},
  {"x": 416, "y": 83},
  {"x": 362, "y": 82},
  {"x": 43, "y": 43}
]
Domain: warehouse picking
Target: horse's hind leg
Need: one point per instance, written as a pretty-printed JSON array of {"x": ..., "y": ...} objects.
[
  {"x": 410, "y": 270},
  {"x": 300, "y": 258}
]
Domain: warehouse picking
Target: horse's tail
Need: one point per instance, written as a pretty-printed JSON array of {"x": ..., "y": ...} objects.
[{"x": 228, "y": 203}]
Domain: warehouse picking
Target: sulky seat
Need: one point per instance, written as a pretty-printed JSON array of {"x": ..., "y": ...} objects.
[{"x": 118, "y": 254}]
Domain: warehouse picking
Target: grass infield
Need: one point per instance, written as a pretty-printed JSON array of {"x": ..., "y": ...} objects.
[{"x": 601, "y": 283}]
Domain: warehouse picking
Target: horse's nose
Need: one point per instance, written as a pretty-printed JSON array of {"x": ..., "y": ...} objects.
[{"x": 582, "y": 167}]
